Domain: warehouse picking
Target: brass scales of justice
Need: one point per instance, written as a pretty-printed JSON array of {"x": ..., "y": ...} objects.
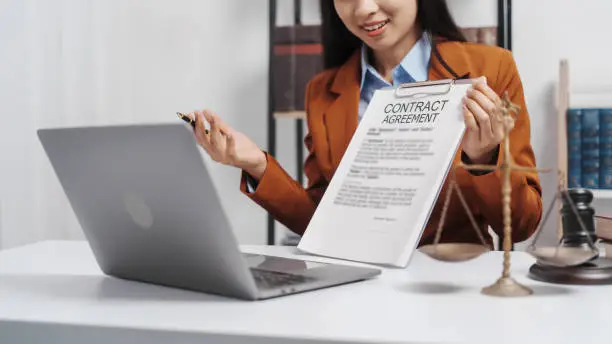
[{"x": 557, "y": 256}]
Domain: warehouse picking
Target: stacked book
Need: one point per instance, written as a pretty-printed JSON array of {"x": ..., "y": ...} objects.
[
  {"x": 297, "y": 58},
  {"x": 482, "y": 35},
  {"x": 589, "y": 140},
  {"x": 603, "y": 230}
]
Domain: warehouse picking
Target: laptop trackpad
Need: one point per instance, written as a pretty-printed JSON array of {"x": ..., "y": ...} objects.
[{"x": 279, "y": 264}]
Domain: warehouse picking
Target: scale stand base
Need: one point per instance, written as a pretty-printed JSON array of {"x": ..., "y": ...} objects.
[
  {"x": 507, "y": 287},
  {"x": 595, "y": 272}
]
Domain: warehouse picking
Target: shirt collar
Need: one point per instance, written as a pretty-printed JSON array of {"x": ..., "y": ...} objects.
[{"x": 416, "y": 62}]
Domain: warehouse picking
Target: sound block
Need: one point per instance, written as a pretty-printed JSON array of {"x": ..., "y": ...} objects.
[{"x": 595, "y": 272}]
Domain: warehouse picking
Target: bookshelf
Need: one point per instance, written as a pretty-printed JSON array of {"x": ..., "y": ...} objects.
[
  {"x": 599, "y": 194},
  {"x": 566, "y": 101},
  {"x": 275, "y": 114},
  {"x": 290, "y": 114}
]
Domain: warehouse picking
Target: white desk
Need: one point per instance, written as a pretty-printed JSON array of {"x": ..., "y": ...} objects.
[{"x": 53, "y": 292}]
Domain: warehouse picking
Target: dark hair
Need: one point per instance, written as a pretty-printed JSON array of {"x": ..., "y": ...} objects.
[{"x": 339, "y": 43}]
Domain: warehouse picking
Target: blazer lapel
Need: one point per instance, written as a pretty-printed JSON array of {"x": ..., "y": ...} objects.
[
  {"x": 342, "y": 116},
  {"x": 455, "y": 57}
]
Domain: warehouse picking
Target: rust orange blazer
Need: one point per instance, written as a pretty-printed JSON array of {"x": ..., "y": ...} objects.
[{"x": 332, "y": 100}]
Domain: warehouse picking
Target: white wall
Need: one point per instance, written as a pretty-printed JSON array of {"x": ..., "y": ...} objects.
[
  {"x": 473, "y": 13},
  {"x": 545, "y": 31},
  {"x": 94, "y": 62}
]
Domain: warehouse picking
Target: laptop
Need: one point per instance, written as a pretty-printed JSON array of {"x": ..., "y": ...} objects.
[{"x": 151, "y": 213}]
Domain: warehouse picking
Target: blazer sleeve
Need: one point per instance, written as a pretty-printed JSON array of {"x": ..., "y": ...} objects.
[
  {"x": 282, "y": 196},
  {"x": 526, "y": 194}
]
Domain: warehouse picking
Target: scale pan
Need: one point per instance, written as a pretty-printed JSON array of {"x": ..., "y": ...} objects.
[
  {"x": 454, "y": 252},
  {"x": 563, "y": 256}
]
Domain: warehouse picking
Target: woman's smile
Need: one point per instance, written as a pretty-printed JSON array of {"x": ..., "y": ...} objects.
[{"x": 375, "y": 28}]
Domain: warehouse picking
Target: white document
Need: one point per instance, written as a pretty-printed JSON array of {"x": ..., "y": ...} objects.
[{"x": 378, "y": 203}]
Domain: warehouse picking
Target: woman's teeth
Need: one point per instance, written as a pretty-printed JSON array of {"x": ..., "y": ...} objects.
[{"x": 375, "y": 27}]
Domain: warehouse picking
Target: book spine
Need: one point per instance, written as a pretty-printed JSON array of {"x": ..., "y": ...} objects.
[
  {"x": 590, "y": 148},
  {"x": 605, "y": 149},
  {"x": 574, "y": 148}
]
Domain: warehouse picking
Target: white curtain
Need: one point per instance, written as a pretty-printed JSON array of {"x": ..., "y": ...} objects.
[{"x": 96, "y": 62}]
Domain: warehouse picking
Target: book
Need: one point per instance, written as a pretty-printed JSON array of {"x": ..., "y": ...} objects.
[
  {"x": 605, "y": 149},
  {"x": 297, "y": 58},
  {"x": 605, "y": 249},
  {"x": 603, "y": 227},
  {"x": 590, "y": 148},
  {"x": 603, "y": 230},
  {"x": 379, "y": 200},
  {"x": 482, "y": 35}
]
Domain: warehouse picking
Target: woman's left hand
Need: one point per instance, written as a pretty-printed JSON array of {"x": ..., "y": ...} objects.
[{"x": 485, "y": 125}]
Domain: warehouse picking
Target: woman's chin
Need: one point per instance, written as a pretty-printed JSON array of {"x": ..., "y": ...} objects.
[{"x": 382, "y": 44}]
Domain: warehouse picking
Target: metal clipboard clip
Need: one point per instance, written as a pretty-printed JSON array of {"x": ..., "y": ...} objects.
[{"x": 436, "y": 87}]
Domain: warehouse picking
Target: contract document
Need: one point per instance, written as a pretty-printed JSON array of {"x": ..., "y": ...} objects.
[{"x": 380, "y": 198}]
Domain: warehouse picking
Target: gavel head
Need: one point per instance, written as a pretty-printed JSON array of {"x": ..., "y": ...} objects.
[{"x": 578, "y": 218}]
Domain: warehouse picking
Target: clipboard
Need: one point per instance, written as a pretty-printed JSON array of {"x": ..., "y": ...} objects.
[
  {"x": 436, "y": 87},
  {"x": 378, "y": 203}
]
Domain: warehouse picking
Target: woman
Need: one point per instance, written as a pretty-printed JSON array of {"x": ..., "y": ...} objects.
[{"x": 370, "y": 44}]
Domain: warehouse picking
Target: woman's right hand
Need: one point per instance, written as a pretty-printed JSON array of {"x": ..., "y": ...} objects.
[{"x": 228, "y": 146}]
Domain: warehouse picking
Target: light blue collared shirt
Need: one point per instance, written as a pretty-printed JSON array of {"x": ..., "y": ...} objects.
[{"x": 414, "y": 67}]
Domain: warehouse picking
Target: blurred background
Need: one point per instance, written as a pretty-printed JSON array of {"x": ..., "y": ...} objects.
[{"x": 98, "y": 62}]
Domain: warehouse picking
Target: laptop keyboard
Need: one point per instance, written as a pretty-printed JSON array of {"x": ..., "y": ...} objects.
[{"x": 267, "y": 279}]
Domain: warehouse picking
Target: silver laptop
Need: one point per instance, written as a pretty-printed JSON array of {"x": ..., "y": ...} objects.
[{"x": 150, "y": 212}]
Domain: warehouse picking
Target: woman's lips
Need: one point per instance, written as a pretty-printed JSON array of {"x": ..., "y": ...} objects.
[{"x": 375, "y": 28}]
